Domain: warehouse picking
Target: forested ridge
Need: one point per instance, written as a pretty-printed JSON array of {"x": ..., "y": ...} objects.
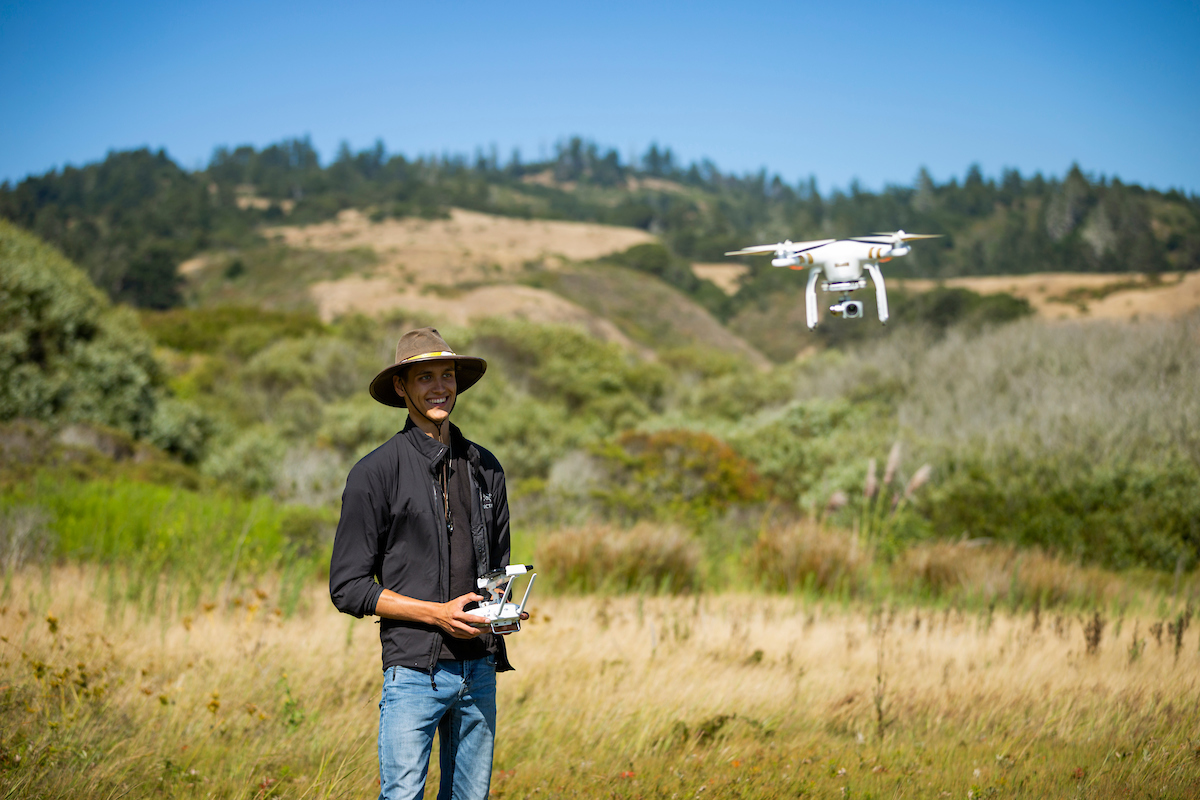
[{"x": 132, "y": 218}]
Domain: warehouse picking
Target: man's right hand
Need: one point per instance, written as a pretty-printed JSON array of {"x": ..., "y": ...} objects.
[
  {"x": 450, "y": 616},
  {"x": 458, "y": 623}
]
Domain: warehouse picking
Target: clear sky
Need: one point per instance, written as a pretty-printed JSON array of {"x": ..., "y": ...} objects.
[{"x": 846, "y": 90}]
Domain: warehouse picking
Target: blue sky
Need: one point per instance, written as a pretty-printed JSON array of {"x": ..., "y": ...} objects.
[{"x": 843, "y": 91}]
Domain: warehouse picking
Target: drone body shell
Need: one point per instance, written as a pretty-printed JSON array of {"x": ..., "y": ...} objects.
[{"x": 842, "y": 261}]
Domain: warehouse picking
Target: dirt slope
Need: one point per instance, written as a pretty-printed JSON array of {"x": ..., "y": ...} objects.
[
  {"x": 426, "y": 267},
  {"x": 1073, "y": 295},
  {"x": 469, "y": 246},
  {"x": 374, "y": 296}
]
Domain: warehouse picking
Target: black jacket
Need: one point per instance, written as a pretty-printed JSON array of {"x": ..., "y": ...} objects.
[{"x": 392, "y": 534}]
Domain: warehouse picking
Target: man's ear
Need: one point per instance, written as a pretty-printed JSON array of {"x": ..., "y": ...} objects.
[{"x": 398, "y": 386}]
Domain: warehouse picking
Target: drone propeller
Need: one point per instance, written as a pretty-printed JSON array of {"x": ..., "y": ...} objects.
[
  {"x": 757, "y": 249},
  {"x": 780, "y": 250},
  {"x": 901, "y": 236}
]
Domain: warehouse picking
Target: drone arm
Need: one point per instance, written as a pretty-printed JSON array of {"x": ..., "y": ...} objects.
[
  {"x": 810, "y": 297},
  {"x": 880, "y": 292}
]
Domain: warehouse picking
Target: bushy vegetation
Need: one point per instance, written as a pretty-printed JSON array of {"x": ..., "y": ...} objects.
[
  {"x": 1075, "y": 438},
  {"x": 128, "y": 221},
  {"x": 65, "y": 353}
]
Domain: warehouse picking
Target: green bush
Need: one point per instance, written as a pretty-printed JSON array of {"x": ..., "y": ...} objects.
[
  {"x": 249, "y": 463},
  {"x": 65, "y": 353},
  {"x": 599, "y": 383},
  {"x": 183, "y": 429},
  {"x": 1118, "y": 515},
  {"x": 207, "y": 330},
  {"x": 327, "y": 365},
  {"x": 674, "y": 475},
  {"x": 810, "y": 449}
]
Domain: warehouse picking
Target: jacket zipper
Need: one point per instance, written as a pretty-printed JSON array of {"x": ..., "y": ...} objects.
[{"x": 440, "y": 512}]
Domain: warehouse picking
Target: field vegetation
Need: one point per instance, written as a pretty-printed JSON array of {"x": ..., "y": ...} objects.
[
  {"x": 956, "y": 560},
  {"x": 746, "y": 695}
]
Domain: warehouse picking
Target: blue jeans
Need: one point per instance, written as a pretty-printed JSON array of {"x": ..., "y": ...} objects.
[{"x": 462, "y": 709}]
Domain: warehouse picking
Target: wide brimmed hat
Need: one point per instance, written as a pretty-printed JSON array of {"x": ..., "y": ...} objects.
[{"x": 425, "y": 344}]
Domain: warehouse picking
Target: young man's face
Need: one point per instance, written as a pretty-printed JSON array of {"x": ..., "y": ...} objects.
[{"x": 429, "y": 387}]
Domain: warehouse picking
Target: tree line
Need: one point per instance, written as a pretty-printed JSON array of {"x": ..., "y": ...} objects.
[{"x": 130, "y": 219}]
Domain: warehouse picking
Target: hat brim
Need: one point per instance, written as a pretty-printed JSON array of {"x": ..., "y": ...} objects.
[{"x": 467, "y": 372}]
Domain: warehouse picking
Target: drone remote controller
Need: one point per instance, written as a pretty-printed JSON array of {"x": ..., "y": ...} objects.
[{"x": 499, "y": 614}]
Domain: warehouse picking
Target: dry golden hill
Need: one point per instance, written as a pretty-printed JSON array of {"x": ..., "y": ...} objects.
[
  {"x": 475, "y": 265},
  {"x": 469, "y": 246},
  {"x": 1074, "y": 295},
  {"x": 422, "y": 261}
]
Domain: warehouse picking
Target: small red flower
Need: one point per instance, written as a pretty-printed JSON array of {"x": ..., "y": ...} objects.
[{"x": 1078, "y": 774}]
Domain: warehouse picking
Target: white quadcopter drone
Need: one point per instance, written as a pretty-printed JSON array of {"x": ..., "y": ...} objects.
[
  {"x": 499, "y": 614},
  {"x": 843, "y": 261}
]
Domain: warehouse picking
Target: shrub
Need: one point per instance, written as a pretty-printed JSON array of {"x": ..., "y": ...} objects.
[
  {"x": 249, "y": 464},
  {"x": 25, "y": 536},
  {"x": 675, "y": 474},
  {"x": 808, "y": 556},
  {"x": 977, "y": 569},
  {"x": 1117, "y": 515},
  {"x": 359, "y": 424},
  {"x": 183, "y": 429},
  {"x": 65, "y": 353},
  {"x": 597, "y": 381},
  {"x": 206, "y": 330},
  {"x": 327, "y": 365},
  {"x": 602, "y": 558}
]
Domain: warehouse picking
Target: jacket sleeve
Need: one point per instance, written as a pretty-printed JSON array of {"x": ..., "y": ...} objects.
[{"x": 352, "y": 585}]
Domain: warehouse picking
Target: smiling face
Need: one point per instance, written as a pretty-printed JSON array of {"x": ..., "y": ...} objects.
[{"x": 429, "y": 389}]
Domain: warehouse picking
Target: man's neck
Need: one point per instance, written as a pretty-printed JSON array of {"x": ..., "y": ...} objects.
[{"x": 429, "y": 429}]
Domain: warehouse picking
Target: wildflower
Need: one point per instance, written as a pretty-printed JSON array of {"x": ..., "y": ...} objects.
[
  {"x": 871, "y": 485},
  {"x": 893, "y": 463}
]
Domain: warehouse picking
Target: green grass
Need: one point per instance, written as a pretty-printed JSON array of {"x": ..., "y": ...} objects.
[
  {"x": 173, "y": 547},
  {"x": 273, "y": 276}
]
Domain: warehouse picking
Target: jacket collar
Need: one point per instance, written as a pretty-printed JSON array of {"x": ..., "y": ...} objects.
[{"x": 433, "y": 450}]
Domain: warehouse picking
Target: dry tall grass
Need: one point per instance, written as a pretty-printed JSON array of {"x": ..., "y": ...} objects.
[
  {"x": 1106, "y": 389},
  {"x": 730, "y": 694}
]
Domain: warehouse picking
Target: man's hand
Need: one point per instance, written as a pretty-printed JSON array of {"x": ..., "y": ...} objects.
[
  {"x": 458, "y": 623},
  {"x": 450, "y": 616}
]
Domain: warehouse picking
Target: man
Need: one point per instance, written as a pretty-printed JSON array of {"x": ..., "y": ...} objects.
[{"x": 422, "y": 517}]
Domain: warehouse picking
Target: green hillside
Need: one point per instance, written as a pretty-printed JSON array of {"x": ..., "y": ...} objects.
[
  {"x": 1098, "y": 465},
  {"x": 131, "y": 219}
]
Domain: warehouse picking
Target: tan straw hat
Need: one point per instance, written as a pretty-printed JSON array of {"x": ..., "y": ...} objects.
[{"x": 425, "y": 344}]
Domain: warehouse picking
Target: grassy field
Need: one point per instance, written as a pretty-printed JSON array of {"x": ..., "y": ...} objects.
[{"x": 720, "y": 695}]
